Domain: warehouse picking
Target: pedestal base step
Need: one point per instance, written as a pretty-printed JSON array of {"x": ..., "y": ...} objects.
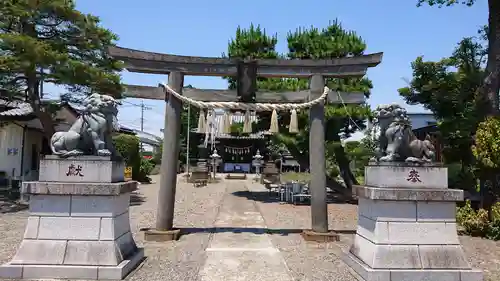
[
  {"x": 369, "y": 274},
  {"x": 27, "y": 271}
]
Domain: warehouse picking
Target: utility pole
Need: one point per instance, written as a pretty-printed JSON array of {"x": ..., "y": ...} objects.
[
  {"x": 143, "y": 108},
  {"x": 187, "y": 138}
]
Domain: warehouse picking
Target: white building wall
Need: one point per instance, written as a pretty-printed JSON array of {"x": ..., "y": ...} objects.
[
  {"x": 11, "y": 151},
  {"x": 11, "y": 138}
]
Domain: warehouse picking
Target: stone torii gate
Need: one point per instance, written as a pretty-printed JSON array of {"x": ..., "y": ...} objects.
[{"x": 246, "y": 72}]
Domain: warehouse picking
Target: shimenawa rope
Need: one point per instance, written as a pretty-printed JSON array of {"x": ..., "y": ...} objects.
[
  {"x": 247, "y": 106},
  {"x": 247, "y": 127}
]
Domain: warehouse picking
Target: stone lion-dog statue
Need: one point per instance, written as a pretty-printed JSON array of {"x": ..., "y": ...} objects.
[
  {"x": 91, "y": 132},
  {"x": 397, "y": 143}
]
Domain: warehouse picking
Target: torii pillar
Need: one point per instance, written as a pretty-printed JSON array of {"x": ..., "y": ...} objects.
[
  {"x": 164, "y": 230},
  {"x": 317, "y": 166}
]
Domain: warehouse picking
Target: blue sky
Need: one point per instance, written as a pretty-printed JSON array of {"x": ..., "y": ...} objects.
[{"x": 203, "y": 28}]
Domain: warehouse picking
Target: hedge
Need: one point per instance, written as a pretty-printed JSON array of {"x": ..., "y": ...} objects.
[{"x": 128, "y": 146}]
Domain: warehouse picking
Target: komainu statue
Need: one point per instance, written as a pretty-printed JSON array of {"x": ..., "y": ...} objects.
[
  {"x": 91, "y": 132},
  {"x": 397, "y": 143}
]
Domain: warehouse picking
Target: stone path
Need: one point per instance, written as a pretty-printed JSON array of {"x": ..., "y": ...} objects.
[
  {"x": 196, "y": 256},
  {"x": 240, "y": 249}
]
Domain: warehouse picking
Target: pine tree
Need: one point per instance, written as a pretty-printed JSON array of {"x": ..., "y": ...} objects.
[
  {"x": 49, "y": 41},
  {"x": 331, "y": 42}
]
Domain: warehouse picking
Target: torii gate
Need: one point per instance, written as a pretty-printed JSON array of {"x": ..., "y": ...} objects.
[{"x": 246, "y": 72}]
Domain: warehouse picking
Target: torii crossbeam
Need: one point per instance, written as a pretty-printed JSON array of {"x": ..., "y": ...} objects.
[{"x": 246, "y": 72}]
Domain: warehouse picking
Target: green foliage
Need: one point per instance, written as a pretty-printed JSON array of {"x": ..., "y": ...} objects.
[
  {"x": 252, "y": 43},
  {"x": 491, "y": 32},
  {"x": 128, "y": 147},
  {"x": 298, "y": 177},
  {"x": 487, "y": 145},
  {"x": 157, "y": 156},
  {"x": 328, "y": 43},
  {"x": 53, "y": 42},
  {"x": 494, "y": 231},
  {"x": 448, "y": 89},
  {"x": 359, "y": 154},
  {"x": 462, "y": 177},
  {"x": 474, "y": 223},
  {"x": 369, "y": 141},
  {"x": 332, "y": 169},
  {"x": 145, "y": 168},
  {"x": 236, "y": 128}
]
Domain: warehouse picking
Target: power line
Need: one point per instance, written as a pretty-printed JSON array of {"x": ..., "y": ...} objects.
[
  {"x": 153, "y": 110},
  {"x": 143, "y": 108},
  {"x": 142, "y": 119}
]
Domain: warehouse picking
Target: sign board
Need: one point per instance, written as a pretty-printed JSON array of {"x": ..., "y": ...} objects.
[{"x": 128, "y": 173}]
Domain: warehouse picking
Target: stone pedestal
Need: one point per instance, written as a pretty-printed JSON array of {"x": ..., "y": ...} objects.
[
  {"x": 77, "y": 229},
  {"x": 407, "y": 228}
]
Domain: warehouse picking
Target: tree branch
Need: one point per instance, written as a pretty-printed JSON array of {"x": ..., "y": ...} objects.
[
  {"x": 17, "y": 79},
  {"x": 49, "y": 24}
]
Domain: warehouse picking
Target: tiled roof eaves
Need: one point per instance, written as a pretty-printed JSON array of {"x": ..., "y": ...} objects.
[{"x": 15, "y": 109}]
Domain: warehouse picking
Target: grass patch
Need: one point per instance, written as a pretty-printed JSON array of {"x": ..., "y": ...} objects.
[{"x": 298, "y": 177}]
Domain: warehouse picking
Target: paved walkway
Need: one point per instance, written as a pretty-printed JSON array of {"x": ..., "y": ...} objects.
[
  {"x": 227, "y": 241},
  {"x": 214, "y": 250},
  {"x": 240, "y": 249}
]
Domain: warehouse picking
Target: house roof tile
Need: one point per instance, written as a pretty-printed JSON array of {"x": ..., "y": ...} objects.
[{"x": 13, "y": 109}]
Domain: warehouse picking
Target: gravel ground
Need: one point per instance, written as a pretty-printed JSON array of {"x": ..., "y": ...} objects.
[
  {"x": 308, "y": 260},
  {"x": 483, "y": 254},
  {"x": 302, "y": 258},
  {"x": 194, "y": 207},
  {"x": 180, "y": 260},
  {"x": 198, "y": 207}
]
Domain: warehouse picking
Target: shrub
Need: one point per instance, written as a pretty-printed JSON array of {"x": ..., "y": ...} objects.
[
  {"x": 487, "y": 148},
  {"x": 128, "y": 147},
  {"x": 293, "y": 176},
  {"x": 475, "y": 223},
  {"x": 495, "y": 212},
  {"x": 145, "y": 170},
  {"x": 494, "y": 230},
  {"x": 332, "y": 170}
]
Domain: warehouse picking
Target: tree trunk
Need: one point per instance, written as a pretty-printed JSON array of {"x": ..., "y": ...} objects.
[
  {"x": 489, "y": 90},
  {"x": 343, "y": 162},
  {"x": 44, "y": 116},
  {"x": 33, "y": 94},
  {"x": 491, "y": 83},
  {"x": 488, "y": 185},
  {"x": 47, "y": 123}
]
